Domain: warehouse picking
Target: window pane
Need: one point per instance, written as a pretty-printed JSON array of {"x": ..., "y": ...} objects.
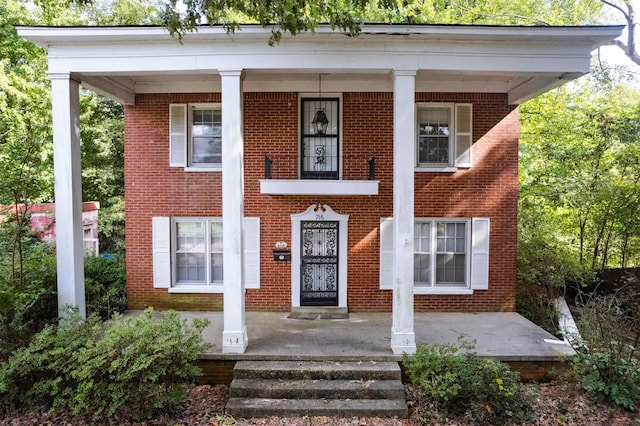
[
  {"x": 206, "y": 150},
  {"x": 216, "y": 237},
  {"x": 190, "y": 267},
  {"x": 422, "y": 269},
  {"x": 450, "y": 269},
  {"x": 207, "y": 123},
  {"x": 216, "y": 267},
  {"x": 190, "y": 237}
]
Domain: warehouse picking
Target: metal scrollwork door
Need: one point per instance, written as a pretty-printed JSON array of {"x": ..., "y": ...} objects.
[{"x": 319, "y": 263}]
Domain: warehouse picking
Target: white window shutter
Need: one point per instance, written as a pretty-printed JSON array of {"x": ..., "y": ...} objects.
[
  {"x": 177, "y": 135},
  {"x": 480, "y": 253},
  {"x": 251, "y": 252},
  {"x": 463, "y": 135},
  {"x": 161, "y": 235},
  {"x": 386, "y": 253}
]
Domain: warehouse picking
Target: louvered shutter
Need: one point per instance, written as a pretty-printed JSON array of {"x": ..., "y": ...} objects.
[
  {"x": 386, "y": 253},
  {"x": 463, "y": 135},
  {"x": 251, "y": 252},
  {"x": 161, "y": 235},
  {"x": 480, "y": 253},
  {"x": 178, "y": 135}
]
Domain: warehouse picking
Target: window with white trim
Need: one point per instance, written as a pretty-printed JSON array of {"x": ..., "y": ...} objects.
[
  {"x": 444, "y": 135},
  {"x": 188, "y": 257},
  {"x": 441, "y": 250},
  {"x": 451, "y": 255},
  {"x": 195, "y": 135},
  {"x": 197, "y": 253}
]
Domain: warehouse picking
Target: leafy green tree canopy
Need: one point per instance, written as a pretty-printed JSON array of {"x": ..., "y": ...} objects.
[{"x": 295, "y": 16}]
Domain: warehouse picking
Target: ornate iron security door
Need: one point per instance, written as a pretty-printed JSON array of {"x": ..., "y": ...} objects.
[{"x": 319, "y": 263}]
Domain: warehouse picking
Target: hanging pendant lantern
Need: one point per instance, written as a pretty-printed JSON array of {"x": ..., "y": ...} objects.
[{"x": 320, "y": 122}]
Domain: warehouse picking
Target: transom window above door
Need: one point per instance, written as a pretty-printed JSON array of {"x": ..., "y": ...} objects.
[{"x": 320, "y": 138}]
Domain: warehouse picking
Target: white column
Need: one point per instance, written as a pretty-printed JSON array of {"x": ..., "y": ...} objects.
[
  {"x": 65, "y": 98},
  {"x": 404, "y": 136},
  {"x": 234, "y": 335}
]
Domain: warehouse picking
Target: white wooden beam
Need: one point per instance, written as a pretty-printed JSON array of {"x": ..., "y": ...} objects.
[
  {"x": 234, "y": 335},
  {"x": 110, "y": 88},
  {"x": 403, "y": 337},
  {"x": 536, "y": 86},
  {"x": 68, "y": 192}
]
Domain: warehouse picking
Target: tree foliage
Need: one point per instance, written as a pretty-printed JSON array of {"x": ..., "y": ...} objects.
[
  {"x": 580, "y": 177},
  {"x": 296, "y": 16}
]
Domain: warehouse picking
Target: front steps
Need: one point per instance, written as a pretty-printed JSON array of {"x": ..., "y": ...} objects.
[{"x": 316, "y": 388}]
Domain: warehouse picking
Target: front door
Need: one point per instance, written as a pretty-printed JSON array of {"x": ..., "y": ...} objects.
[{"x": 319, "y": 263}]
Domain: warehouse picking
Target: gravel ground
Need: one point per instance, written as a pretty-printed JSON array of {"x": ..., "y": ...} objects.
[{"x": 554, "y": 404}]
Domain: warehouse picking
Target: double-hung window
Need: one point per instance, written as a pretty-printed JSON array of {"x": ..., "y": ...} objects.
[
  {"x": 444, "y": 136},
  {"x": 198, "y": 251},
  {"x": 319, "y": 139},
  {"x": 196, "y": 136},
  {"x": 188, "y": 257},
  {"x": 450, "y": 255},
  {"x": 441, "y": 253}
]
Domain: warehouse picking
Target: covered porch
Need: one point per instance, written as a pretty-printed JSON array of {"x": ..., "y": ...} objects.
[
  {"x": 123, "y": 63},
  {"x": 506, "y": 336}
]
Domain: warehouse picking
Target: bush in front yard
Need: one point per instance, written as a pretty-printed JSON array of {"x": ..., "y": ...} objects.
[
  {"x": 459, "y": 382},
  {"x": 105, "y": 283},
  {"x": 136, "y": 367},
  {"x": 608, "y": 359}
]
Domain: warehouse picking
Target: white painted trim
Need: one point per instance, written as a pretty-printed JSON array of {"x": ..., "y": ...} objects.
[
  {"x": 319, "y": 187},
  {"x": 202, "y": 169},
  {"x": 327, "y": 215},
  {"x": 422, "y": 169},
  {"x": 204, "y": 289},
  {"x": 442, "y": 290}
]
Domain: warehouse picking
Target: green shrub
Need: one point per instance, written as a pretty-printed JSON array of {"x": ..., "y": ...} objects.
[
  {"x": 607, "y": 358},
  {"x": 27, "y": 301},
  {"x": 460, "y": 382},
  {"x": 134, "y": 367},
  {"x": 105, "y": 285}
]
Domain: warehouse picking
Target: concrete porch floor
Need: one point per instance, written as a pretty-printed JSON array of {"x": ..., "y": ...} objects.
[{"x": 506, "y": 336}]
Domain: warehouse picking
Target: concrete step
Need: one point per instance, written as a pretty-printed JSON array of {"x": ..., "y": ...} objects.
[
  {"x": 316, "y": 389},
  {"x": 317, "y": 370},
  {"x": 264, "y": 407}
]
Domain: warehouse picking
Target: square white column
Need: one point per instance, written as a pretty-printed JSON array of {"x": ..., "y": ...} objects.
[
  {"x": 404, "y": 136},
  {"x": 234, "y": 335},
  {"x": 65, "y": 98}
]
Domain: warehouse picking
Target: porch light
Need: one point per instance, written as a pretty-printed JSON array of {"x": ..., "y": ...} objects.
[{"x": 320, "y": 122}]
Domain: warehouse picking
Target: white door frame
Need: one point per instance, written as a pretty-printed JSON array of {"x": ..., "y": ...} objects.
[{"x": 319, "y": 213}]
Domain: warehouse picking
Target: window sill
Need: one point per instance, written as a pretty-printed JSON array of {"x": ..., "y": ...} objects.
[
  {"x": 445, "y": 169},
  {"x": 197, "y": 289},
  {"x": 442, "y": 291},
  {"x": 319, "y": 187},
  {"x": 203, "y": 169}
]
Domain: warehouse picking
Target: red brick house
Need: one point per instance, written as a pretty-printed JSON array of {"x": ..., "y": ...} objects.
[{"x": 376, "y": 173}]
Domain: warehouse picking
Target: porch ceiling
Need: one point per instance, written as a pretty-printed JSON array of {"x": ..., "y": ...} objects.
[{"x": 121, "y": 62}]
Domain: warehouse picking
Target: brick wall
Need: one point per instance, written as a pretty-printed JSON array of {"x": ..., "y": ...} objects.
[{"x": 489, "y": 189}]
